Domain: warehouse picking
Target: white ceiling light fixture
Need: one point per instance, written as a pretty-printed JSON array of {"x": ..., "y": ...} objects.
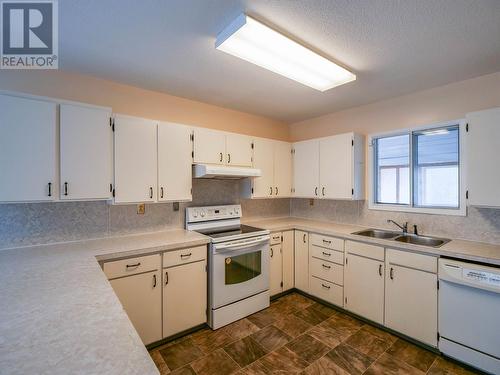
[{"x": 257, "y": 43}]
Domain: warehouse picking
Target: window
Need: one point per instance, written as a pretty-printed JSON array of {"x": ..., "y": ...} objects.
[{"x": 418, "y": 170}]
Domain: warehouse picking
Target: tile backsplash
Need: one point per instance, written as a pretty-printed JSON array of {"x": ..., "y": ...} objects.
[
  {"x": 24, "y": 224},
  {"x": 480, "y": 224}
]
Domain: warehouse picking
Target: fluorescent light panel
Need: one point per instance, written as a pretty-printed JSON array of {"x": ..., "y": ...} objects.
[{"x": 255, "y": 42}]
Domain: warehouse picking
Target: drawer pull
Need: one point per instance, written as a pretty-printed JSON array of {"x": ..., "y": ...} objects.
[
  {"x": 391, "y": 273},
  {"x": 304, "y": 238},
  {"x": 325, "y": 286},
  {"x": 133, "y": 265},
  {"x": 154, "y": 280},
  {"x": 380, "y": 269},
  {"x": 327, "y": 254},
  {"x": 327, "y": 267},
  {"x": 166, "y": 277},
  {"x": 186, "y": 255},
  {"x": 327, "y": 241}
]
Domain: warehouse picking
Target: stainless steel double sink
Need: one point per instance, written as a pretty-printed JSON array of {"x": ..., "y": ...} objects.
[{"x": 406, "y": 237}]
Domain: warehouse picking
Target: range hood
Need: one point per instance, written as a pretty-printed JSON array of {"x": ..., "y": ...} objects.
[{"x": 224, "y": 172}]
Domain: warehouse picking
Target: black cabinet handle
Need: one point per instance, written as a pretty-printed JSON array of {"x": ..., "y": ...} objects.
[
  {"x": 154, "y": 280},
  {"x": 380, "y": 269},
  {"x": 323, "y": 191},
  {"x": 186, "y": 255},
  {"x": 166, "y": 277},
  {"x": 133, "y": 265},
  {"x": 327, "y": 241},
  {"x": 220, "y": 157},
  {"x": 151, "y": 192},
  {"x": 50, "y": 189},
  {"x": 228, "y": 158},
  {"x": 316, "y": 191},
  {"x": 65, "y": 188},
  {"x": 327, "y": 267},
  {"x": 161, "y": 192},
  {"x": 304, "y": 238},
  {"x": 391, "y": 273},
  {"x": 276, "y": 190},
  {"x": 325, "y": 286},
  {"x": 272, "y": 252},
  {"x": 327, "y": 254},
  {"x": 270, "y": 190}
]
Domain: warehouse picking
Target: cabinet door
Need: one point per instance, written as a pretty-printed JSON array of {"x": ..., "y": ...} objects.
[
  {"x": 275, "y": 270},
  {"x": 483, "y": 158},
  {"x": 282, "y": 169},
  {"x": 306, "y": 169},
  {"x": 364, "y": 287},
  {"x": 238, "y": 150},
  {"x": 140, "y": 296},
  {"x": 184, "y": 297},
  {"x": 336, "y": 166},
  {"x": 135, "y": 160},
  {"x": 174, "y": 162},
  {"x": 263, "y": 159},
  {"x": 302, "y": 260},
  {"x": 288, "y": 260},
  {"x": 86, "y": 152},
  {"x": 27, "y": 149},
  {"x": 209, "y": 146},
  {"x": 411, "y": 303}
]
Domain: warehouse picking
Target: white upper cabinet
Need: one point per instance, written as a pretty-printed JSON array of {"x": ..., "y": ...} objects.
[
  {"x": 135, "y": 160},
  {"x": 209, "y": 146},
  {"x": 306, "y": 169},
  {"x": 174, "y": 162},
  {"x": 238, "y": 150},
  {"x": 86, "y": 152},
  {"x": 27, "y": 149},
  {"x": 282, "y": 169},
  {"x": 331, "y": 167},
  {"x": 483, "y": 157},
  {"x": 263, "y": 159},
  {"x": 216, "y": 147}
]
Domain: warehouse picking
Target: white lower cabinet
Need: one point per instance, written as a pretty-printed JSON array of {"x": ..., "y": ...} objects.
[
  {"x": 184, "y": 297},
  {"x": 139, "y": 293},
  {"x": 281, "y": 266},
  {"x": 301, "y": 253},
  {"x": 364, "y": 280},
  {"x": 411, "y": 295}
]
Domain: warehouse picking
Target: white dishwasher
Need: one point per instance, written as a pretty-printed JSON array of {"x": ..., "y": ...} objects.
[{"x": 469, "y": 313}]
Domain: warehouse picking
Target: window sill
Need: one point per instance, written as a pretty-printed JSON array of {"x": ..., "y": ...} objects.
[{"x": 462, "y": 211}]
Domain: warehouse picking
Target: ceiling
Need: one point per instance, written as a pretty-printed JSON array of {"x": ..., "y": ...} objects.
[{"x": 394, "y": 47}]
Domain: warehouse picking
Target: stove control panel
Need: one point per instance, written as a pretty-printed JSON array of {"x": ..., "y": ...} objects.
[{"x": 210, "y": 213}]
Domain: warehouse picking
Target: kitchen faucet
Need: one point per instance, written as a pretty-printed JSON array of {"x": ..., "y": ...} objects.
[{"x": 404, "y": 227}]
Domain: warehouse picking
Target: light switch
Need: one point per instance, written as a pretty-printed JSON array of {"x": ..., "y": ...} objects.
[{"x": 141, "y": 209}]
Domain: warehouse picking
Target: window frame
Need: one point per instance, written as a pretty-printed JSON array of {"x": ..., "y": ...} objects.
[{"x": 461, "y": 210}]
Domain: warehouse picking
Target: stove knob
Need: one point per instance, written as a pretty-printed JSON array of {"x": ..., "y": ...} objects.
[
  {"x": 236, "y": 211},
  {"x": 195, "y": 213},
  {"x": 202, "y": 213}
]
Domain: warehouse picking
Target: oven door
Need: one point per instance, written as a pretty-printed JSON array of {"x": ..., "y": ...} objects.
[{"x": 239, "y": 269}]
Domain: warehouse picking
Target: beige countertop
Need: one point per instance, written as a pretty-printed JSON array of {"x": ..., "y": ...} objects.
[
  {"x": 59, "y": 314},
  {"x": 466, "y": 250}
]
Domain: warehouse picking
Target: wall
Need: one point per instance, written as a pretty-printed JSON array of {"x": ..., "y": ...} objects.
[
  {"x": 443, "y": 103},
  {"x": 25, "y": 224},
  {"x": 480, "y": 224},
  {"x": 139, "y": 102}
]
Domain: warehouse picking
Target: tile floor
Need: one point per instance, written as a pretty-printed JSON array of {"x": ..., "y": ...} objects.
[{"x": 297, "y": 335}]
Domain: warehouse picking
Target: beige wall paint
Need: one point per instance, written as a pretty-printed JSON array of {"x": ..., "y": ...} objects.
[
  {"x": 443, "y": 103},
  {"x": 139, "y": 102}
]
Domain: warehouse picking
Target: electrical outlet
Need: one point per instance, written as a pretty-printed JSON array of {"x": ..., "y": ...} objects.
[
  {"x": 141, "y": 209},
  {"x": 175, "y": 206},
  {"x": 311, "y": 202}
]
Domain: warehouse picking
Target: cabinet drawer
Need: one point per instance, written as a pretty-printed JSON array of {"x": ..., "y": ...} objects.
[
  {"x": 327, "y": 242},
  {"x": 329, "y": 255},
  {"x": 412, "y": 260},
  {"x": 176, "y": 257},
  {"x": 365, "y": 250},
  {"x": 275, "y": 238},
  {"x": 131, "y": 266},
  {"x": 327, "y": 271},
  {"x": 327, "y": 291}
]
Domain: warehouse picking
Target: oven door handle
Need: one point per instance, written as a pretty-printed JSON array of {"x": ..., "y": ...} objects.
[{"x": 230, "y": 246}]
